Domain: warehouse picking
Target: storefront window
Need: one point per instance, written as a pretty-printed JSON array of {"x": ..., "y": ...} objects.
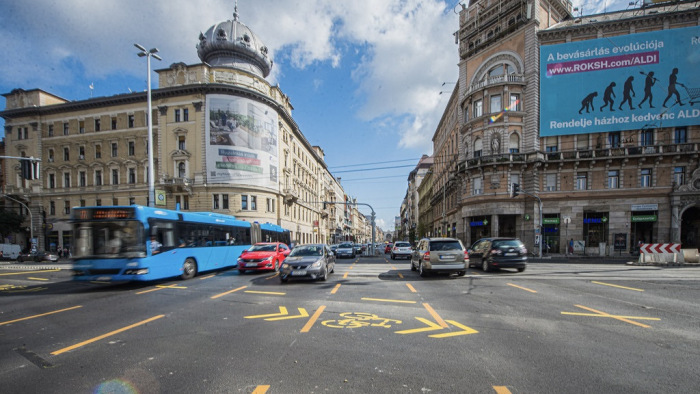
[
  {"x": 595, "y": 228},
  {"x": 550, "y": 223}
]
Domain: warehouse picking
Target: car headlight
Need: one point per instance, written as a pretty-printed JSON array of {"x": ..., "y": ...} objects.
[
  {"x": 240, "y": 260},
  {"x": 317, "y": 264},
  {"x": 285, "y": 265},
  {"x": 269, "y": 259}
]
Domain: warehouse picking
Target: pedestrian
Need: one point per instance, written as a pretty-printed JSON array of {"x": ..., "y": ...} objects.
[{"x": 571, "y": 246}]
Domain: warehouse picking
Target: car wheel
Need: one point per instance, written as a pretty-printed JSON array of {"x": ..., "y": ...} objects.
[
  {"x": 325, "y": 274},
  {"x": 413, "y": 267},
  {"x": 485, "y": 266},
  {"x": 423, "y": 273},
  {"x": 521, "y": 269},
  {"x": 189, "y": 269},
  {"x": 461, "y": 273}
]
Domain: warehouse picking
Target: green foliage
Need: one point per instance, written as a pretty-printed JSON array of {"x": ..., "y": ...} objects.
[{"x": 10, "y": 222}]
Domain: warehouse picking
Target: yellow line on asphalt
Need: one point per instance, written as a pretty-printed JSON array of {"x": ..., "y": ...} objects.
[
  {"x": 501, "y": 390},
  {"x": 386, "y": 300},
  {"x": 37, "y": 278},
  {"x": 109, "y": 334},
  {"x": 345, "y": 276},
  {"x": 273, "y": 276},
  {"x": 621, "y": 287},
  {"x": 335, "y": 289},
  {"x": 161, "y": 287},
  {"x": 43, "y": 314},
  {"x": 435, "y": 316},
  {"x": 207, "y": 277},
  {"x": 620, "y": 318},
  {"x": 261, "y": 389},
  {"x": 29, "y": 272},
  {"x": 228, "y": 292},
  {"x": 598, "y": 315},
  {"x": 411, "y": 288},
  {"x": 521, "y": 288},
  {"x": 264, "y": 292},
  {"x": 313, "y": 319}
]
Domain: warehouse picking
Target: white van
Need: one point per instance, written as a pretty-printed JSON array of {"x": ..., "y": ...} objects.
[{"x": 10, "y": 251}]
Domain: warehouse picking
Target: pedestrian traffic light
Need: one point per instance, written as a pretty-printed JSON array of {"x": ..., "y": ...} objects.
[
  {"x": 29, "y": 169},
  {"x": 514, "y": 189}
]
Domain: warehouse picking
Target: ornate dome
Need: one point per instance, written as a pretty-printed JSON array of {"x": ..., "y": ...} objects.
[{"x": 233, "y": 44}]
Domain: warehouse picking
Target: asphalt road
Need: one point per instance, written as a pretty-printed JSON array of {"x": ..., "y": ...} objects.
[{"x": 374, "y": 326}]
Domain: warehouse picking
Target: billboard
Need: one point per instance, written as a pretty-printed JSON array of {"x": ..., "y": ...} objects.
[
  {"x": 242, "y": 144},
  {"x": 630, "y": 82}
]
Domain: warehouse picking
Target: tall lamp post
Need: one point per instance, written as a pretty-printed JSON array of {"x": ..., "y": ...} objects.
[
  {"x": 31, "y": 217},
  {"x": 151, "y": 171}
]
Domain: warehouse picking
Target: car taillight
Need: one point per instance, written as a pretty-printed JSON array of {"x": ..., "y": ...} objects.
[
  {"x": 426, "y": 256},
  {"x": 466, "y": 255}
]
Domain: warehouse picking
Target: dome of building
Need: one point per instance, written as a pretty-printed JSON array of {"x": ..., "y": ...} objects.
[{"x": 233, "y": 44}]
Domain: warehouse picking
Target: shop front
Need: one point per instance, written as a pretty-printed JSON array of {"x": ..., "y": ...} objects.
[
  {"x": 550, "y": 225},
  {"x": 595, "y": 230},
  {"x": 643, "y": 224},
  {"x": 479, "y": 227}
]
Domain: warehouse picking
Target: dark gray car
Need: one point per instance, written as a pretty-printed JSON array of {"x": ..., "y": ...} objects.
[
  {"x": 439, "y": 255},
  {"x": 314, "y": 261},
  {"x": 495, "y": 253}
]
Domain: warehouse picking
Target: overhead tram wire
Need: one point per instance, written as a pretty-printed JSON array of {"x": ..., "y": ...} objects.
[{"x": 379, "y": 162}]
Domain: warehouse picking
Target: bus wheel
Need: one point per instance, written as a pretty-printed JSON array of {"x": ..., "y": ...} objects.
[{"x": 189, "y": 269}]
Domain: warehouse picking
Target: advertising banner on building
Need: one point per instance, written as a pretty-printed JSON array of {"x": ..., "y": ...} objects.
[
  {"x": 242, "y": 142},
  {"x": 628, "y": 82}
]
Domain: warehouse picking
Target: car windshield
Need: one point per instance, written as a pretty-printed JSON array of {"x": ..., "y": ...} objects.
[
  {"x": 345, "y": 246},
  {"x": 262, "y": 248},
  {"x": 307, "y": 251},
  {"x": 402, "y": 245},
  {"x": 507, "y": 243},
  {"x": 445, "y": 245}
]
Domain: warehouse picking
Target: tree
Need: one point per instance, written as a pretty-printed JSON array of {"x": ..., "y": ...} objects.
[{"x": 10, "y": 222}]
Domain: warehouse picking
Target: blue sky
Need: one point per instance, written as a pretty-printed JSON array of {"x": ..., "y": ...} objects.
[{"x": 364, "y": 76}]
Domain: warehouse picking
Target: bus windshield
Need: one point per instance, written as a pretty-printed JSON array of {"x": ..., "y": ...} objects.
[{"x": 123, "y": 238}]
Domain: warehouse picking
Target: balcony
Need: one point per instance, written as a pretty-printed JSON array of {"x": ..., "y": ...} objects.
[
  {"x": 499, "y": 80},
  {"x": 627, "y": 151},
  {"x": 290, "y": 196}
]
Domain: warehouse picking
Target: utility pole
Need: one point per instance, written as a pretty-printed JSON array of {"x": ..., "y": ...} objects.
[{"x": 514, "y": 191}]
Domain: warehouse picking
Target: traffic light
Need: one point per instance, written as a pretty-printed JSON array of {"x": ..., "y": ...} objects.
[
  {"x": 515, "y": 190},
  {"x": 29, "y": 169}
]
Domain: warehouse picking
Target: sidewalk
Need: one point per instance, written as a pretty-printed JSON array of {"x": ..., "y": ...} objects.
[{"x": 626, "y": 258}]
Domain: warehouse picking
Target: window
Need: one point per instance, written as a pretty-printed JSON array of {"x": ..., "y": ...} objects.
[
  {"x": 50, "y": 130},
  {"x": 581, "y": 181},
  {"x": 51, "y": 156},
  {"x": 550, "y": 183},
  {"x": 613, "y": 179},
  {"x": 224, "y": 201},
  {"x": 181, "y": 170},
  {"x": 646, "y": 137},
  {"x": 680, "y": 135},
  {"x": 83, "y": 178},
  {"x": 466, "y": 114},
  {"x": 244, "y": 202},
  {"x": 177, "y": 115},
  {"x": 66, "y": 154},
  {"x": 184, "y": 202},
  {"x": 115, "y": 201},
  {"x": 132, "y": 148},
  {"x": 270, "y": 205},
  {"x": 131, "y": 121},
  {"x": 514, "y": 143},
  {"x": 215, "y": 202},
  {"x": 614, "y": 139},
  {"x": 98, "y": 202},
  {"x": 98, "y": 178},
  {"x": 551, "y": 145},
  {"x": 81, "y": 152},
  {"x": 185, "y": 115},
  {"x": 496, "y": 104},
  {"x": 114, "y": 123},
  {"x": 645, "y": 179},
  {"x": 514, "y": 102},
  {"x": 132, "y": 200},
  {"x": 477, "y": 187},
  {"x": 132, "y": 176},
  {"x": 181, "y": 142},
  {"x": 81, "y": 127},
  {"x": 52, "y": 208},
  {"x": 98, "y": 151},
  {"x": 115, "y": 150},
  {"x": 52, "y": 181},
  {"x": 478, "y": 108},
  {"x": 66, "y": 128},
  {"x": 66, "y": 207},
  {"x": 115, "y": 177},
  {"x": 253, "y": 203},
  {"x": 478, "y": 147},
  {"x": 582, "y": 142},
  {"x": 82, "y": 202},
  {"x": 66, "y": 179},
  {"x": 678, "y": 176},
  {"x": 97, "y": 125}
]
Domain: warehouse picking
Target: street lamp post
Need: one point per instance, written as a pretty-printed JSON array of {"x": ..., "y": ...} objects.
[
  {"x": 151, "y": 172},
  {"x": 31, "y": 217}
]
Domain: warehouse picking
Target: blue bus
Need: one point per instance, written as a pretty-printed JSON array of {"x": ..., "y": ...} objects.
[{"x": 138, "y": 243}]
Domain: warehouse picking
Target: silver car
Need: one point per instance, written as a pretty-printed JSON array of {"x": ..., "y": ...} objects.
[
  {"x": 313, "y": 261},
  {"x": 401, "y": 249},
  {"x": 440, "y": 255}
]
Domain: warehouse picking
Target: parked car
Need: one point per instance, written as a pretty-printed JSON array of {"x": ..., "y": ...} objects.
[
  {"x": 440, "y": 255},
  {"x": 500, "y": 252},
  {"x": 387, "y": 248},
  {"x": 37, "y": 257},
  {"x": 345, "y": 249},
  {"x": 263, "y": 256},
  {"x": 358, "y": 248},
  {"x": 402, "y": 250},
  {"x": 313, "y": 261}
]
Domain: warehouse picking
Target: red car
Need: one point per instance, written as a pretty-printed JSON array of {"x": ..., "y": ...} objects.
[
  {"x": 387, "y": 248},
  {"x": 263, "y": 256}
]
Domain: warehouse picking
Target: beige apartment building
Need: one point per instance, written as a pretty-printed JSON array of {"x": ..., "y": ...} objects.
[
  {"x": 224, "y": 140},
  {"x": 604, "y": 182}
]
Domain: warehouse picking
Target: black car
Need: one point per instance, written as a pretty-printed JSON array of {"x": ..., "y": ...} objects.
[
  {"x": 37, "y": 257},
  {"x": 496, "y": 253}
]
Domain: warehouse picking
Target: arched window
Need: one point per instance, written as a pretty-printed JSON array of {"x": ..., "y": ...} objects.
[
  {"x": 181, "y": 170},
  {"x": 478, "y": 147},
  {"x": 514, "y": 143}
]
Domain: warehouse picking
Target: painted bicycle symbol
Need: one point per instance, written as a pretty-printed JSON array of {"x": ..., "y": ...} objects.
[{"x": 360, "y": 319}]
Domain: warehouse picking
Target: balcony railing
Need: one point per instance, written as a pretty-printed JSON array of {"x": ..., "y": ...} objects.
[
  {"x": 622, "y": 151},
  {"x": 508, "y": 78}
]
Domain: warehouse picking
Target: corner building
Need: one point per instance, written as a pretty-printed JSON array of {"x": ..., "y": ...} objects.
[
  {"x": 610, "y": 171},
  {"x": 224, "y": 141}
]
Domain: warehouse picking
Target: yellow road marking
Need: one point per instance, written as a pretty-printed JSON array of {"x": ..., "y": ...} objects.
[
  {"x": 411, "y": 288},
  {"x": 386, "y": 300},
  {"x": 598, "y": 315},
  {"x": 228, "y": 292},
  {"x": 109, "y": 334},
  {"x": 396, "y": 269},
  {"x": 282, "y": 315},
  {"x": 501, "y": 390},
  {"x": 603, "y": 314},
  {"x": 335, "y": 289},
  {"x": 29, "y": 272},
  {"x": 431, "y": 327},
  {"x": 31, "y": 278},
  {"x": 345, "y": 276},
  {"x": 273, "y": 276},
  {"x": 351, "y": 267},
  {"x": 465, "y": 331},
  {"x": 621, "y": 287},
  {"x": 173, "y": 286},
  {"x": 313, "y": 319},
  {"x": 435, "y": 316},
  {"x": 262, "y": 389},
  {"x": 264, "y": 292},
  {"x": 521, "y": 288},
  {"x": 207, "y": 277},
  {"x": 43, "y": 314}
]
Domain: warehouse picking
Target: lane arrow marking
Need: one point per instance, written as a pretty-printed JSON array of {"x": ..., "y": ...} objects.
[{"x": 282, "y": 315}]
